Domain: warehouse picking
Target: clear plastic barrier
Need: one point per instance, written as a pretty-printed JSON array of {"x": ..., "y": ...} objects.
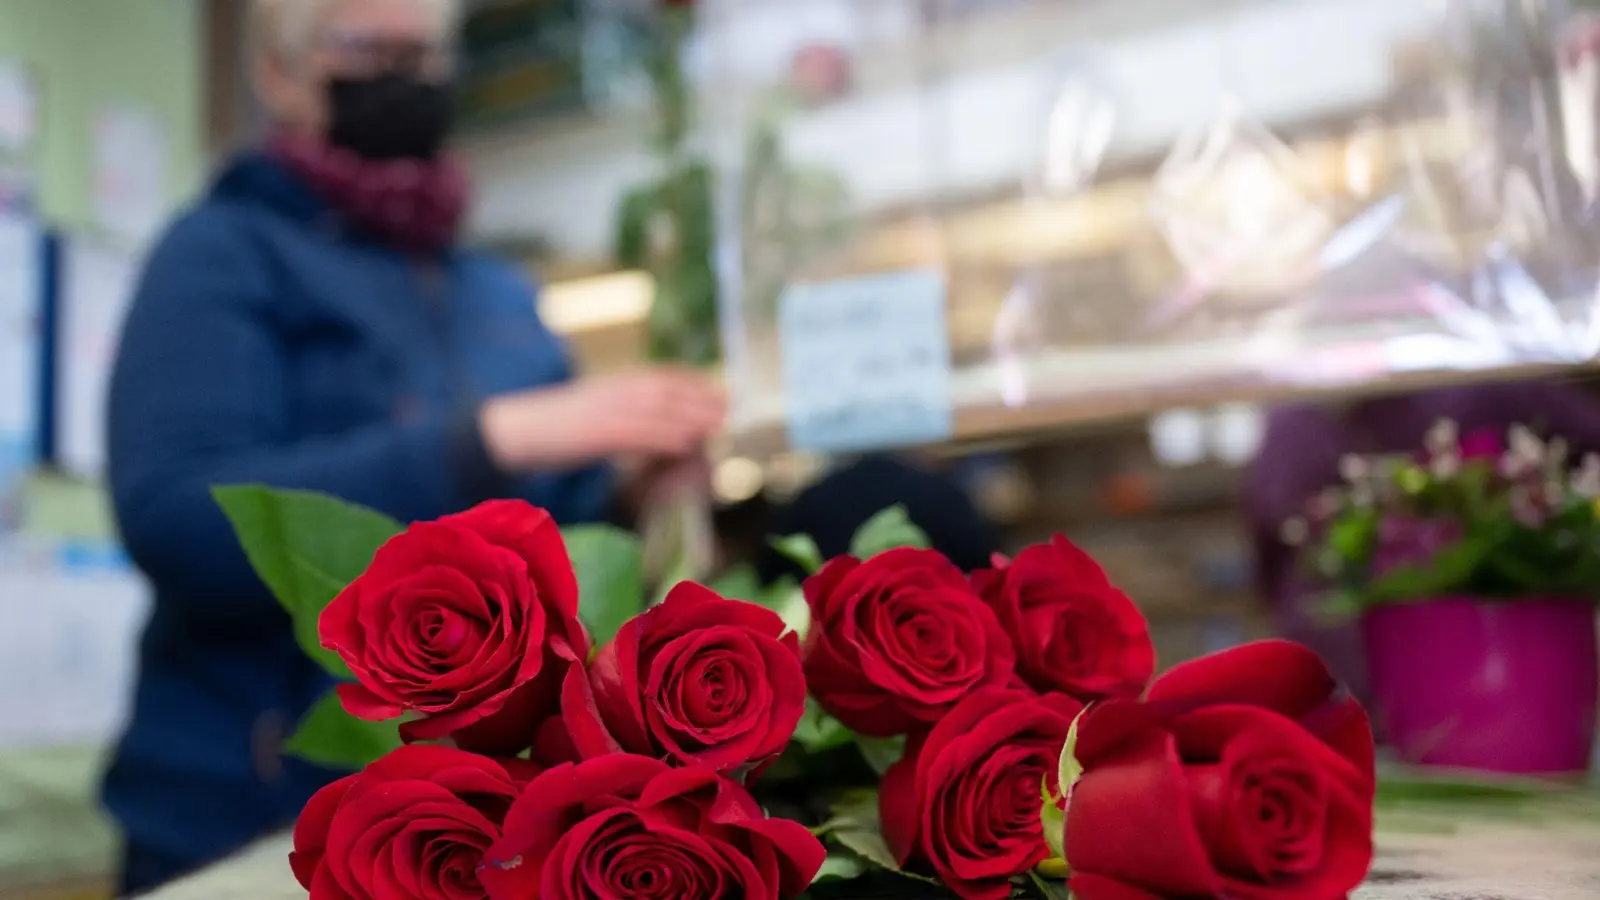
[{"x": 1136, "y": 203}]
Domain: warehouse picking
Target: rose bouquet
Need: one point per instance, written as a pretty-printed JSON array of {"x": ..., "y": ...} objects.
[{"x": 524, "y": 723}]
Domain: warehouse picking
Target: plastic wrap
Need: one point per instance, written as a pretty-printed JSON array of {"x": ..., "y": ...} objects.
[{"x": 957, "y": 219}]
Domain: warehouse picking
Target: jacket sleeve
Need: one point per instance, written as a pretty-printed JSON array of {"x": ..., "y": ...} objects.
[
  {"x": 200, "y": 397},
  {"x": 575, "y": 496}
]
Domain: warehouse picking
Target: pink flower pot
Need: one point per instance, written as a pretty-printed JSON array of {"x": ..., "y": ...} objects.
[{"x": 1508, "y": 687}]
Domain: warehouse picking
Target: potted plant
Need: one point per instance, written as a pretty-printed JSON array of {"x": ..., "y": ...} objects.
[{"x": 1474, "y": 567}]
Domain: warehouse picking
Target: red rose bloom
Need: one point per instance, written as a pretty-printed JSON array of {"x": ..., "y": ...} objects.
[
  {"x": 1073, "y": 630},
  {"x": 696, "y": 680},
  {"x": 631, "y": 826},
  {"x": 964, "y": 801},
  {"x": 414, "y": 824},
  {"x": 471, "y": 621},
  {"x": 898, "y": 640},
  {"x": 1244, "y": 774}
]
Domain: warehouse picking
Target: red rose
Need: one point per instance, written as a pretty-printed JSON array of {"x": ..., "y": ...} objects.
[
  {"x": 696, "y": 680},
  {"x": 471, "y": 621},
  {"x": 1244, "y": 774},
  {"x": 414, "y": 824},
  {"x": 632, "y": 826},
  {"x": 964, "y": 801},
  {"x": 896, "y": 641},
  {"x": 1073, "y": 630}
]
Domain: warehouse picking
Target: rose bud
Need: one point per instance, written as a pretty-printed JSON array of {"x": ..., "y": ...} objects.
[
  {"x": 1248, "y": 773},
  {"x": 963, "y": 803},
  {"x": 631, "y": 826},
  {"x": 696, "y": 680},
  {"x": 470, "y": 622},
  {"x": 414, "y": 824},
  {"x": 1074, "y": 631},
  {"x": 898, "y": 640}
]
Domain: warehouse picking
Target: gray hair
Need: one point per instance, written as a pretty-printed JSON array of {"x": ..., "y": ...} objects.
[{"x": 287, "y": 26}]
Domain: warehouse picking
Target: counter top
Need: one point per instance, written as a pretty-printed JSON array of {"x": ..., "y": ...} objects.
[{"x": 1445, "y": 853}]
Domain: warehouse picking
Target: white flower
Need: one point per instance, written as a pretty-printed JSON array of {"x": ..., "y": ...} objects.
[
  {"x": 1353, "y": 468},
  {"x": 1586, "y": 480},
  {"x": 1556, "y": 453},
  {"x": 1443, "y": 437},
  {"x": 1445, "y": 464},
  {"x": 1526, "y": 446},
  {"x": 1294, "y": 532}
]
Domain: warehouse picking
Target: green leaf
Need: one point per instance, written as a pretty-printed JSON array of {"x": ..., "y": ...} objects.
[
  {"x": 1049, "y": 890},
  {"x": 881, "y": 753},
  {"x": 801, "y": 550},
  {"x": 888, "y": 530},
  {"x": 1054, "y": 820},
  {"x": 1068, "y": 769},
  {"x": 856, "y": 827},
  {"x": 740, "y": 583},
  {"x": 609, "y": 563},
  {"x": 819, "y": 732},
  {"x": 1450, "y": 569},
  {"x": 329, "y": 736},
  {"x": 306, "y": 547},
  {"x": 839, "y": 867},
  {"x": 789, "y": 601}
]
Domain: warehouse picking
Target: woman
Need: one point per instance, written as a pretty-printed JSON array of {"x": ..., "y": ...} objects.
[{"x": 311, "y": 324}]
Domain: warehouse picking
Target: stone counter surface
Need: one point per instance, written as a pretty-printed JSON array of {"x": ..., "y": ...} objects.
[{"x": 1442, "y": 855}]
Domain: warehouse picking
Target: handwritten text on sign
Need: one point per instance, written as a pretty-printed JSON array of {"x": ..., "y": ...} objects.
[{"x": 866, "y": 362}]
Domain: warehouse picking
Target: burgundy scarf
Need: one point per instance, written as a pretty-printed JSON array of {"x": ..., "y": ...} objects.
[{"x": 413, "y": 205}]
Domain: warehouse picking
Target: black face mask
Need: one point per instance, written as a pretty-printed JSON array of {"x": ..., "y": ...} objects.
[{"x": 390, "y": 117}]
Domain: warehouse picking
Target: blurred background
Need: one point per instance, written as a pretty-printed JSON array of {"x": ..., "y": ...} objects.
[{"x": 1075, "y": 261}]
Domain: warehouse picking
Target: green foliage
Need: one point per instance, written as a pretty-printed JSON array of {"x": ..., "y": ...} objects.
[
  {"x": 840, "y": 867},
  {"x": 801, "y": 550},
  {"x": 888, "y": 530},
  {"x": 857, "y": 827},
  {"x": 307, "y": 547},
  {"x": 881, "y": 753},
  {"x": 609, "y": 563},
  {"x": 819, "y": 732},
  {"x": 1517, "y": 526},
  {"x": 329, "y": 736}
]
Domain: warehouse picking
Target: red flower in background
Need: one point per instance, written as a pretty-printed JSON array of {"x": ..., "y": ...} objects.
[
  {"x": 416, "y": 823},
  {"x": 631, "y": 826},
  {"x": 898, "y": 640},
  {"x": 1074, "y": 631},
  {"x": 964, "y": 801},
  {"x": 1248, "y": 773},
  {"x": 471, "y": 621},
  {"x": 696, "y": 680}
]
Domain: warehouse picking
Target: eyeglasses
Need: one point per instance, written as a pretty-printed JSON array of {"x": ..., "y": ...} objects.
[{"x": 365, "y": 54}]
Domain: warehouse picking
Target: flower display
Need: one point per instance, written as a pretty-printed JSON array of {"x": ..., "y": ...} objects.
[
  {"x": 993, "y": 734},
  {"x": 1480, "y": 514}
]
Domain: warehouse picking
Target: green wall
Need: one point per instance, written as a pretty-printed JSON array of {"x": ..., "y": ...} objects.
[{"x": 85, "y": 54}]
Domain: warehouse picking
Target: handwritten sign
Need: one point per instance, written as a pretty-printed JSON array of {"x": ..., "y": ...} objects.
[{"x": 866, "y": 362}]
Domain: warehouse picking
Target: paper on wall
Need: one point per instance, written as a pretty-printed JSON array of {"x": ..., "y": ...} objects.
[
  {"x": 130, "y": 173},
  {"x": 97, "y": 283}
]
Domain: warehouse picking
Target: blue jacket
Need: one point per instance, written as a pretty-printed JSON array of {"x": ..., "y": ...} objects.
[{"x": 268, "y": 343}]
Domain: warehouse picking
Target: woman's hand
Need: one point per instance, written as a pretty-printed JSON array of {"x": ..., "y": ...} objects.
[{"x": 663, "y": 412}]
